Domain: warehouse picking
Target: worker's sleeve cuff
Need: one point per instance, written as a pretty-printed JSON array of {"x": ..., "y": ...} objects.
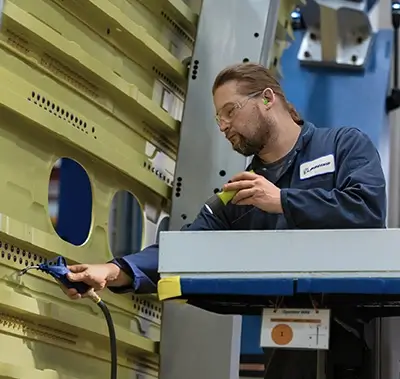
[
  {"x": 285, "y": 193},
  {"x": 121, "y": 263},
  {"x": 140, "y": 282}
]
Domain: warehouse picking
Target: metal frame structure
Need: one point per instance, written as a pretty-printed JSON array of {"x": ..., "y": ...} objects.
[{"x": 339, "y": 34}]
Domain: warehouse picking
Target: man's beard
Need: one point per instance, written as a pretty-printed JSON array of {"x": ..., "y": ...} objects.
[
  {"x": 253, "y": 145},
  {"x": 248, "y": 147}
]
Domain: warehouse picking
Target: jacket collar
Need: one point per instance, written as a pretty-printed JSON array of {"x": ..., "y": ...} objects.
[{"x": 306, "y": 133}]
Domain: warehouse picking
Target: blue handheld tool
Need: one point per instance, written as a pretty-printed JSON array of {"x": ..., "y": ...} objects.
[{"x": 58, "y": 269}]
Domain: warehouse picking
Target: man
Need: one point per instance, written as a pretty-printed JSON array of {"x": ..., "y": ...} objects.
[{"x": 301, "y": 177}]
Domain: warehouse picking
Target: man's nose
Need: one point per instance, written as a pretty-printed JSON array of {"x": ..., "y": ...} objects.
[{"x": 223, "y": 126}]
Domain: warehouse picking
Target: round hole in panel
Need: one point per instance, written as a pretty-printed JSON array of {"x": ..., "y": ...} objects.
[
  {"x": 163, "y": 226},
  {"x": 70, "y": 201},
  {"x": 125, "y": 224}
]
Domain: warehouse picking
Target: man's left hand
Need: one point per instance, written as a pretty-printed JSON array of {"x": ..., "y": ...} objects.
[{"x": 253, "y": 189}]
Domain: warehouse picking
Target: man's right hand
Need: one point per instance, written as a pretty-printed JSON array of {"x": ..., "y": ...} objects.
[{"x": 97, "y": 276}]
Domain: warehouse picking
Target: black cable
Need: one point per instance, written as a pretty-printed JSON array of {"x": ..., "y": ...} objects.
[
  {"x": 58, "y": 270},
  {"x": 112, "y": 336},
  {"x": 396, "y": 58}
]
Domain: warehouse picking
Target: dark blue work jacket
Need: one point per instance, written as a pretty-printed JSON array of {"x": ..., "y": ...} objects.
[{"x": 332, "y": 179}]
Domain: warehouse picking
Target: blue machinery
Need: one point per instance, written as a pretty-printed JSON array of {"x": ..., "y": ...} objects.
[{"x": 337, "y": 72}]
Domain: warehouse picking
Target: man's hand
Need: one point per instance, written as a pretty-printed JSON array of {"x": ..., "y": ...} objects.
[
  {"x": 97, "y": 276},
  {"x": 253, "y": 189}
]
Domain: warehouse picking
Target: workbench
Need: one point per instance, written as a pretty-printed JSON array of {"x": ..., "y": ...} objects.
[
  {"x": 350, "y": 272},
  {"x": 239, "y": 272}
]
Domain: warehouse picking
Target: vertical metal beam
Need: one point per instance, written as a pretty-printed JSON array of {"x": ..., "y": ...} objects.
[
  {"x": 205, "y": 159},
  {"x": 205, "y": 345},
  {"x": 329, "y": 33},
  {"x": 269, "y": 33}
]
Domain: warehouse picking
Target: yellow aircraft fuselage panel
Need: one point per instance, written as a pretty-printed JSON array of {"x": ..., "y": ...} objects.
[{"x": 78, "y": 80}]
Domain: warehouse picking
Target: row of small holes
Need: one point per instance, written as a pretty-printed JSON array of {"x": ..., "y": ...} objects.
[
  {"x": 179, "y": 184},
  {"x": 177, "y": 27},
  {"x": 61, "y": 113},
  {"x": 178, "y": 189},
  {"x": 196, "y": 62},
  {"x": 178, "y": 194},
  {"x": 195, "y": 69},
  {"x": 54, "y": 66},
  {"x": 26, "y": 258},
  {"x": 146, "y": 307},
  {"x": 14, "y": 253},
  {"x": 179, "y": 90},
  {"x": 156, "y": 172}
]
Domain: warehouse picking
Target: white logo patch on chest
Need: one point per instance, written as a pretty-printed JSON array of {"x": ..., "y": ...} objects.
[{"x": 319, "y": 166}]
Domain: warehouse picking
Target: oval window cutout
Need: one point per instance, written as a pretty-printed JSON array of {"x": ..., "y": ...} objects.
[
  {"x": 70, "y": 201},
  {"x": 125, "y": 226}
]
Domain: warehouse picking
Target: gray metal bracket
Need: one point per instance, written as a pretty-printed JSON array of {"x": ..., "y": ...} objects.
[{"x": 339, "y": 34}]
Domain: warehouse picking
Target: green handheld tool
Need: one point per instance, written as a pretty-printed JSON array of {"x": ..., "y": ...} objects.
[{"x": 218, "y": 201}]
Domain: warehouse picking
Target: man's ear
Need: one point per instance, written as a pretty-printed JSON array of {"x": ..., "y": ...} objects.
[{"x": 268, "y": 97}]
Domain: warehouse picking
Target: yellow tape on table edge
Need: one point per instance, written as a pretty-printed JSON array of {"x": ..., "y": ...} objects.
[{"x": 168, "y": 288}]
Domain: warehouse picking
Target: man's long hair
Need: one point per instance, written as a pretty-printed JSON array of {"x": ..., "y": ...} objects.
[{"x": 252, "y": 78}]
